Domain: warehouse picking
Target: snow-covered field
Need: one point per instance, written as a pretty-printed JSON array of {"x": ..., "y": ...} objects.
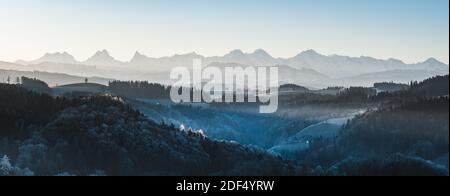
[{"x": 327, "y": 129}]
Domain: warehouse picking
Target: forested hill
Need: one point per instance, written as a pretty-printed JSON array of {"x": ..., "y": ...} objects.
[
  {"x": 35, "y": 85},
  {"x": 435, "y": 86},
  {"x": 411, "y": 139},
  {"x": 100, "y": 135},
  {"x": 144, "y": 90},
  {"x": 418, "y": 128},
  {"x": 139, "y": 89}
]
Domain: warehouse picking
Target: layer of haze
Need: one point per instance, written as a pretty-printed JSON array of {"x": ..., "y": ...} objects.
[{"x": 410, "y": 30}]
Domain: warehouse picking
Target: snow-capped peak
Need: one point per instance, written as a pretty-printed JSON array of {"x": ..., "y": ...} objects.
[
  {"x": 432, "y": 61},
  {"x": 307, "y": 54},
  {"x": 138, "y": 55},
  {"x": 56, "y": 57},
  {"x": 392, "y": 60},
  {"x": 102, "y": 58},
  {"x": 236, "y": 52},
  {"x": 104, "y": 54},
  {"x": 260, "y": 53},
  {"x": 310, "y": 52},
  {"x": 139, "y": 58}
]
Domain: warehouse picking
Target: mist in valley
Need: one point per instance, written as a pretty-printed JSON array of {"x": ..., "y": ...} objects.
[{"x": 89, "y": 88}]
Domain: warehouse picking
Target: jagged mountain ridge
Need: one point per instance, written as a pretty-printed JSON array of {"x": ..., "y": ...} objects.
[
  {"x": 308, "y": 68},
  {"x": 307, "y": 59}
]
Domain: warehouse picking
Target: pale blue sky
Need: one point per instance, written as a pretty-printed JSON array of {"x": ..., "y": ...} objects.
[{"x": 410, "y": 30}]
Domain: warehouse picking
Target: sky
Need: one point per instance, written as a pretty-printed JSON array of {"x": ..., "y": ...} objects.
[{"x": 409, "y": 30}]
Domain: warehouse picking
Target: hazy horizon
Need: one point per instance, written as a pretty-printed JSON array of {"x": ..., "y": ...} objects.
[
  {"x": 224, "y": 88},
  {"x": 206, "y": 56},
  {"x": 411, "y": 31}
]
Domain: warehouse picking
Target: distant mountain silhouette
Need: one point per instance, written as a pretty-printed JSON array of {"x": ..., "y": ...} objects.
[
  {"x": 308, "y": 68},
  {"x": 57, "y": 57},
  {"x": 102, "y": 58},
  {"x": 333, "y": 65}
]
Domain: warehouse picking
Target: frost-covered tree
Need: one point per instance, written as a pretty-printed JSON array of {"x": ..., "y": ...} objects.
[
  {"x": 5, "y": 166},
  {"x": 7, "y": 169}
]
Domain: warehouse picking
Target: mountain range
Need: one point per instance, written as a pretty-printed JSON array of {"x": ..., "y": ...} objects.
[{"x": 308, "y": 68}]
